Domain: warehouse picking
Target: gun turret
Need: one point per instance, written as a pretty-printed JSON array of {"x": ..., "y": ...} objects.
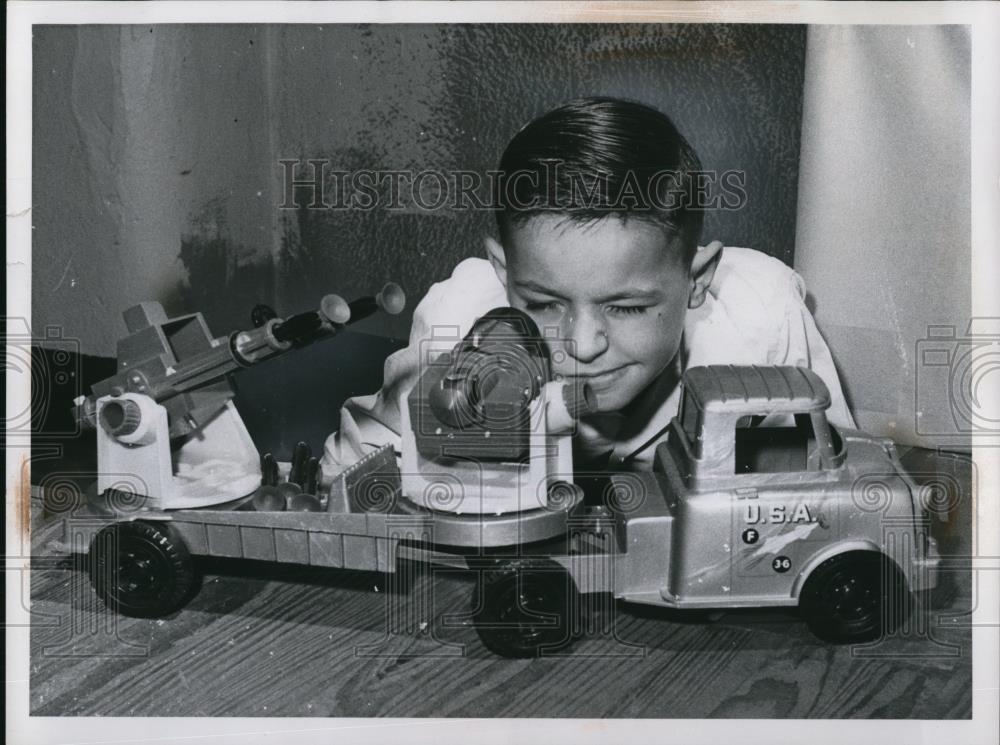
[
  {"x": 487, "y": 429},
  {"x": 178, "y": 364},
  {"x": 475, "y": 402}
]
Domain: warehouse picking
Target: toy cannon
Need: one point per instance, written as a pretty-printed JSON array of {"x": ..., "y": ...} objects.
[{"x": 166, "y": 418}]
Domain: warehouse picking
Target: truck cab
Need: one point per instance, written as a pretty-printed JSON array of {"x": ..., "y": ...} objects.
[{"x": 756, "y": 500}]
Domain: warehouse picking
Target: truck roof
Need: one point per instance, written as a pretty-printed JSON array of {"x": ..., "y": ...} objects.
[{"x": 753, "y": 389}]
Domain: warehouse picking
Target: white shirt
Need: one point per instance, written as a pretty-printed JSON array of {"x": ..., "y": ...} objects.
[{"x": 754, "y": 314}]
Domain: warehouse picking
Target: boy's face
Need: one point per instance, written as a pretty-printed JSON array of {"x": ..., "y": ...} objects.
[{"x": 615, "y": 292}]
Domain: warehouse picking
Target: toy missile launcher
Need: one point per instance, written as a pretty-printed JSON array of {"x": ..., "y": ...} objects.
[{"x": 754, "y": 499}]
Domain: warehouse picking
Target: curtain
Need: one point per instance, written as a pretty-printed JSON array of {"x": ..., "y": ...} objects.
[{"x": 883, "y": 235}]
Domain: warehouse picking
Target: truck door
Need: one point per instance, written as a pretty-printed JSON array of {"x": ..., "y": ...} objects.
[
  {"x": 775, "y": 529},
  {"x": 777, "y": 509}
]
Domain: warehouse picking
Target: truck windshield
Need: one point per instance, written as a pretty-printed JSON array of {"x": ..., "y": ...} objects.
[{"x": 776, "y": 447}]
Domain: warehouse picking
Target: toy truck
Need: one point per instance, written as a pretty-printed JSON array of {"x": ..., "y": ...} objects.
[{"x": 754, "y": 499}]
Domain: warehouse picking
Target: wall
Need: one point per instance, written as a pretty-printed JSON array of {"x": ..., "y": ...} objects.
[
  {"x": 137, "y": 130},
  {"x": 155, "y": 171},
  {"x": 883, "y": 235}
]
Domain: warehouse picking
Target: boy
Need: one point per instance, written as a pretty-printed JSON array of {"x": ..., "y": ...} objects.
[{"x": 596, "y": 246}]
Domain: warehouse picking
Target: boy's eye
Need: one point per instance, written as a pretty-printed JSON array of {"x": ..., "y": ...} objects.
[
  {"x": 539, "y": 306},
  {"x": 628, "y": 310}
]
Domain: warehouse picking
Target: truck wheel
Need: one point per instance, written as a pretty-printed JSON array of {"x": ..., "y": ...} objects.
[
  {"x": 141, "y": 569},
  {"x": 854, "y": 597},
  {"x": 525, "y": 609}
]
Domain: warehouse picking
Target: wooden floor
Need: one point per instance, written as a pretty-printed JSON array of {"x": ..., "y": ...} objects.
[{"x": 286, "y": 641}]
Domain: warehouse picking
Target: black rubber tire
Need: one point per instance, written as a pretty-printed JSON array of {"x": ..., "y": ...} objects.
[
  {"x": 526, "y": 609},
  {"x": 855, "y": 597},
  {"x": 141, "y": 569}
]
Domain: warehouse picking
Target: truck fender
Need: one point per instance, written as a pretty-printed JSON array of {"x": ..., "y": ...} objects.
[{"x": 828, "y": 553}]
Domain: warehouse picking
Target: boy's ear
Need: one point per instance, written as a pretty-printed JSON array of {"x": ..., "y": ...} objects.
[
  {"x": 706, "y": 259},
  {"x": 497, "y": 257}
]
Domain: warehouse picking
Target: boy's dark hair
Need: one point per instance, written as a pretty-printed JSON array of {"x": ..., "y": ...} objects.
[{"x": 595, "y": 157}]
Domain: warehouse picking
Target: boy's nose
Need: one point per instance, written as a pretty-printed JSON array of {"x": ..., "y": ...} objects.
[{"x": 586, "y": 335}]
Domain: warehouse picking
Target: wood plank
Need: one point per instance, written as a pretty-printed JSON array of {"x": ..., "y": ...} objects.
[{"x": 271, "y": 640}]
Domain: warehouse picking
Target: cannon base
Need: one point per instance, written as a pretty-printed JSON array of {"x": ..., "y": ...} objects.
[{"x": 493, "y": 531}]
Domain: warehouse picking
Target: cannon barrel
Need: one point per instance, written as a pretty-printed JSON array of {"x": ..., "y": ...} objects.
[{"x": 164, "y": 359}]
